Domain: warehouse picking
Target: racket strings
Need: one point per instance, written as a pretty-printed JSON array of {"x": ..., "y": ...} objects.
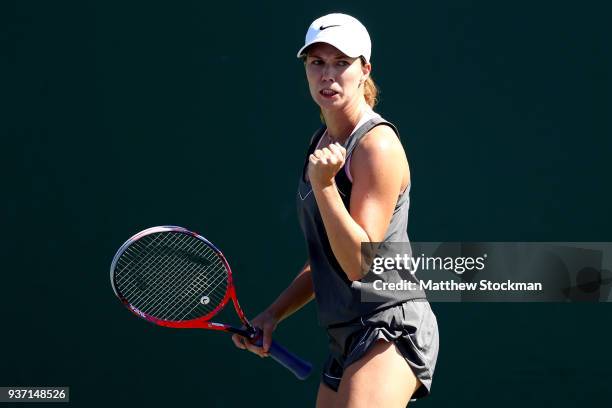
[
  {"x": 132, "y": 275},
  {"x": 171, "y": 276},
  {"x": 175, "y": 293},
  {"x": 198, "y": 285},
  {"x": 145, "y": 261},
  {"x": 173, "y": 288}
]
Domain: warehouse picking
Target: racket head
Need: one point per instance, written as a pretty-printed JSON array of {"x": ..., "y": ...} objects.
[{"x": 173, "y": 277}]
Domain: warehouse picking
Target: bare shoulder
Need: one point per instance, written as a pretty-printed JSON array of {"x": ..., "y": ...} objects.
[
  {"x": 380, "y": 158},
  {"x": 380, "y": 143}
]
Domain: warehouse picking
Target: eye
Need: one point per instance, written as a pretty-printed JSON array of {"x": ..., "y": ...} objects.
[
  {"x": 343, "y": 63},
  {"x": 316, "y": 61}
]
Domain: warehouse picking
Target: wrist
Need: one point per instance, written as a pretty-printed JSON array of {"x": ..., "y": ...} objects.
[{"x": 324, "y": 185}]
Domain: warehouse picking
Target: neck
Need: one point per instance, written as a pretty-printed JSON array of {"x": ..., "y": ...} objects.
[{"x": 340, "y": 123}]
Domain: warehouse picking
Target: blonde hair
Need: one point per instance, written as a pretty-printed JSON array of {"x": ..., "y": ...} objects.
[{"x": 370, "y": 90}]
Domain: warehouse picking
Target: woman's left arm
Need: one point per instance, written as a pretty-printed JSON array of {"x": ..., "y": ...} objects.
[{"x": 378, "y": 168}]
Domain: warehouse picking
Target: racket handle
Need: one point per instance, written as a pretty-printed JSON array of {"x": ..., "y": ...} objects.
[{"x": 300, "y": 368}]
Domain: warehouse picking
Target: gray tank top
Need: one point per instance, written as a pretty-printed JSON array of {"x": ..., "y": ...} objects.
[{"x": 340, "y": 301}]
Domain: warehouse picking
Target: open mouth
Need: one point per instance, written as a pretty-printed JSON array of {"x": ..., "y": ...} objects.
[{"x": 328, "y": 93}]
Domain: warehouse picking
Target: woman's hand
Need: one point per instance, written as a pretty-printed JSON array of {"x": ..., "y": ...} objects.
[
  {"x": 265, "y": 321},
  {"x": 325, "y": 163}
]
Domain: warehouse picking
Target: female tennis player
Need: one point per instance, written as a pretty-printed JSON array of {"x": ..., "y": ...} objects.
[{"x": 354, "y": 190}]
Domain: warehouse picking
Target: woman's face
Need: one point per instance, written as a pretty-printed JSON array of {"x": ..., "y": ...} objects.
[{"x": 333, "y": 78}]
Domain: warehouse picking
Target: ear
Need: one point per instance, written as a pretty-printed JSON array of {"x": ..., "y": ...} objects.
[{"x": 365, "y": 70}]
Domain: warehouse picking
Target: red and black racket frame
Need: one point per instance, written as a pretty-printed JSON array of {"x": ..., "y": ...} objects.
[{"x": 299, "y": 367}]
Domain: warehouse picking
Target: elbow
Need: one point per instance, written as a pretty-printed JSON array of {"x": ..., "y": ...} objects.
[
  {"x": 354, "y": 274},
  {"x": 350, "y": 261},
  {"x": 353, "y": 267}
]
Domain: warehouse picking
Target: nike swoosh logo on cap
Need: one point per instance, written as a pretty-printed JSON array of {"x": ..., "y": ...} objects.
[{"x": 325, "y": 27}]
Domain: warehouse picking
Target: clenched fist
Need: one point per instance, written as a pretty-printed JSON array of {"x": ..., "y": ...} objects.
[{"x": 325, "y": 163}]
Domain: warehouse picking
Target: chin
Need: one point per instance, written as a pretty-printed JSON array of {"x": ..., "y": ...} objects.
[{"x": 329, "y": 104}]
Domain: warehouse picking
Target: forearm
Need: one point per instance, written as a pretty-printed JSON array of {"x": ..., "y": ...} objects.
[
  {"x": 344, "y": 234},
  {"x": 298, "y": 293}
]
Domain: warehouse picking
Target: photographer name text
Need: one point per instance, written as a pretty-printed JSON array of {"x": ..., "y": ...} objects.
[{"x": 482, "y": 285}]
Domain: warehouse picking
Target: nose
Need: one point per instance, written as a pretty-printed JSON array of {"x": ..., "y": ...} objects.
[{"x": 327, "y": 73}]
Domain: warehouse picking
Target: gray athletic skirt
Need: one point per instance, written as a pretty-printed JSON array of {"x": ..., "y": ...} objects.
[{"x": 412, "y": 326}]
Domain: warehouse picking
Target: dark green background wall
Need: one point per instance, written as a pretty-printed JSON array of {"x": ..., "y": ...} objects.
[{"x": 117, "y": 116}]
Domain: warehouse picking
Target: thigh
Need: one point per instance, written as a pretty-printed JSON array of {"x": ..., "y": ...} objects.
[
  {"x": 381, "y": 378},
  {"x": 326, "y": 397}
]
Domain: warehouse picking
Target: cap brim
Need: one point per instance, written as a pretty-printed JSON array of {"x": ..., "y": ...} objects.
[{"x": 348, "y": 53}]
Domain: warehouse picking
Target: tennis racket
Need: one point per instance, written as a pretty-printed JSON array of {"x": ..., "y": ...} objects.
[{"x": 176, "y": 278}]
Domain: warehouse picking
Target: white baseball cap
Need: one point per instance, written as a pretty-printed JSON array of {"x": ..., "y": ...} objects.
[{"x": 342, "y": 31}]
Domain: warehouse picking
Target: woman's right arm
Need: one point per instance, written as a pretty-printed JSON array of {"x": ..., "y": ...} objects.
[{"x": 294, "y": 297}]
